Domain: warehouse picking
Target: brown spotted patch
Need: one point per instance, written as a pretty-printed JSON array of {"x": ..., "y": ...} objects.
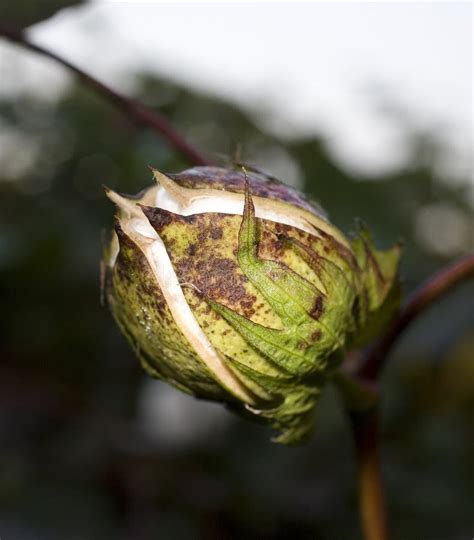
[
  {"x": 324, "y": 245},
  {"x": 191, "y": 250},
  {"x": 159, "y": 218},
  {"x": 142, "y": 313},
  {"x": 203, "y": 249},
  {"x": 217, "y": 278},
  {"x": 318, "y": 308}
]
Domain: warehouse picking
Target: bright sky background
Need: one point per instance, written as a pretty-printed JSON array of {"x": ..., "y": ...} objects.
[{"x": 325, "y": 67}]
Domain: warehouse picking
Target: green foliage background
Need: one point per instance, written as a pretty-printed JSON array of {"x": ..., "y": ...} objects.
[{"x": 74, "y": 462}]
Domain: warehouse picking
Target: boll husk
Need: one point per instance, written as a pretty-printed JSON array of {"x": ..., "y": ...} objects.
[{"x": 232, "y": 287}]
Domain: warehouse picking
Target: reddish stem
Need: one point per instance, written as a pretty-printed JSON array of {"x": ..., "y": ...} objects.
[
  {"x": 371, "y": 499},
  {"x": 134, "y": 110},
  {"x": 423, "y": 298}
]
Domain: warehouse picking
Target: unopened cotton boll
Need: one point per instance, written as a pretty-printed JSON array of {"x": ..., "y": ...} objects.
[{"x": 232, "y": 287}]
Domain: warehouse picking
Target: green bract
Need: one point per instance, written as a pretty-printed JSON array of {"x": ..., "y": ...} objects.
[{"x": 234, "y": 288}]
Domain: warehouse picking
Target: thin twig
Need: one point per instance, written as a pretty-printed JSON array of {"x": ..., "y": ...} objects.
[
  {"x": 422, "y": 299},
  {"x": 134, "y": 110}
]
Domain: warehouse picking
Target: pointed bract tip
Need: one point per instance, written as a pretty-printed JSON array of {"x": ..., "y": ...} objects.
[
  {"x": 165, "y": 181},
  {"x": 181, "y": 195},
  {"x": 126, "y": 205},
  {"x": 156, "y": 173},
  {"x": 159, "y": 176}
]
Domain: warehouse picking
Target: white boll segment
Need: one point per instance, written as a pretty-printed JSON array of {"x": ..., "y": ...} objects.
[
  {"x": 222, "y": 204},
  {"x": 186, "y": 202}
]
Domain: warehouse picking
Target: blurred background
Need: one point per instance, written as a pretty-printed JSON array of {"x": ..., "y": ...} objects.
[{"x": 366, "y": 107}]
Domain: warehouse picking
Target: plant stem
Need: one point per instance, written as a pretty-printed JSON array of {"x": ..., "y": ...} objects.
[
  {"x": 135, "y": 111},
  {"x": 370, "y": 487},
  {"x": 422, "y": 299},
  {"x": 365, "y": 424}
]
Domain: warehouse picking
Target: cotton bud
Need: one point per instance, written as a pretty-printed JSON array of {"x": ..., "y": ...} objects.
[{"x": 232, "y": 287}]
